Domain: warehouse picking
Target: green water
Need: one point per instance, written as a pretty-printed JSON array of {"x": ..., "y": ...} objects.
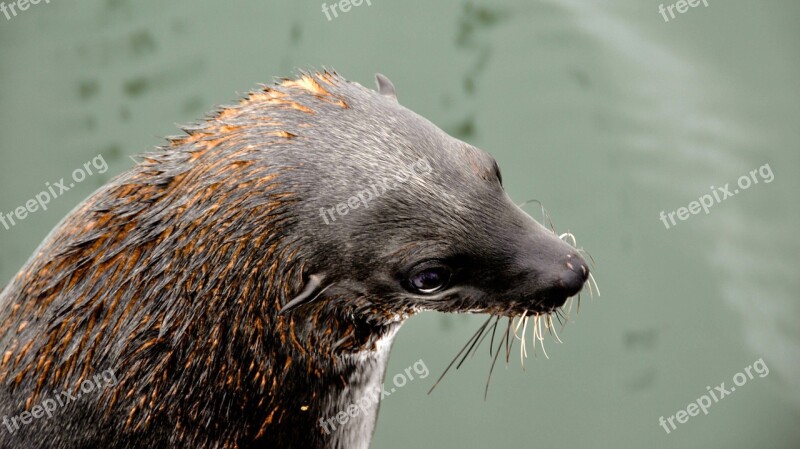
[{"x": 601, "y": 110}]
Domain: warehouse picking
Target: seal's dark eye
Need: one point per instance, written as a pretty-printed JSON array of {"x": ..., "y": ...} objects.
[{"x": 429, "y": 280}]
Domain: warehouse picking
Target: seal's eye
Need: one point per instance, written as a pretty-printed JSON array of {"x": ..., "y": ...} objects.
[{"x": 429, "y": 279}]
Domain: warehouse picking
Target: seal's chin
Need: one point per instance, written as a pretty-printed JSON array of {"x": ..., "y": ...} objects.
[
  {"x": 549, "y": 302},
  {"x": 521, "y": 310},
  {"x": 543, "y": 303}
]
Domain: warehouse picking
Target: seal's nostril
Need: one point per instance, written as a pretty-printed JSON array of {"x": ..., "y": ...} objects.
[
  {"x": 582, "y": 270},
  {"x": 577, "y": 265}
]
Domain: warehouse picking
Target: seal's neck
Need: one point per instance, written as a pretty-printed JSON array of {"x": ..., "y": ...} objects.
[
  {"x": 351, "y": 412},
  {"x": 334, "y": 406}
]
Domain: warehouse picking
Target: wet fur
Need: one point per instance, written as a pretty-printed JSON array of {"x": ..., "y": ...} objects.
[{"x": 172, "y": 275}]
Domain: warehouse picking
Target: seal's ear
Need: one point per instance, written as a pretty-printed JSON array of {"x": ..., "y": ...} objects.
[
  {"x": 310, "y": 293},
  {"x": 385, "y": 86}
]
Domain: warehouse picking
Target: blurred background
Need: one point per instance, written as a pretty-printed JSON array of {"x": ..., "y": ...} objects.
[{"x": 601, "y": 110}]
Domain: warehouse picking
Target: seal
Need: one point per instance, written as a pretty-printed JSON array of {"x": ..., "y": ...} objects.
[{"x": 228, "y": 313}]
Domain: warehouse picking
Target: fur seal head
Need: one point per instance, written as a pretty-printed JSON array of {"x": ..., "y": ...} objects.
[{"x": 402, "y": 217}]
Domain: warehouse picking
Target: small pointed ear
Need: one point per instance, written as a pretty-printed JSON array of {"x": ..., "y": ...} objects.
[
  {"x": 385, "y": 86},
  {"x": 310, "y": 293}
]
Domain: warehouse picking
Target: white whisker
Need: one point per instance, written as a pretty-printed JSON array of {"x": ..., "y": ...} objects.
[
  {"x": 541, "y": 338},
  {"x": 553, "y": 329},
  {"x": 516, "y": 328},
  {"x": 591, "y": 278},
  {"x": 523, "y": 352},
  {"x": 571, "y": 236},
  {"x": 569, "y": 308}
]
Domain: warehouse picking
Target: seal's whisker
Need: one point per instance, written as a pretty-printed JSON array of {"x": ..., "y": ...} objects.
[
  {"x": 509, "y": 343},
  {"x": 587, "y": 254},
  {"x": 545, "y": 215},
  {"x": 569, "y": 309},
  {"x": 494, "y": 329},
  {"x": 523, "y": 352},
  {"x": 591, "y": 278},
  {"x": 541, "y": 339},
  {"x": 474, "y": 337},
  {"x": 571, "y": 236},
  {"x": 560, "y": 316},
  {"x": 516, "y": 326},
  {"x": 496, "y": 319},
  {"x": 549, "y": 221},
  {"x": 494, "y": 361},
  {"x": 553, "y": 329},
  {"x": 525, "y": 203}
]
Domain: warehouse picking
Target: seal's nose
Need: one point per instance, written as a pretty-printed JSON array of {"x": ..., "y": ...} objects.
[
  {"x": 574, "y": 275},
  {"x": 567, "y": 279},
  {"x": 551, "y": 270}
]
